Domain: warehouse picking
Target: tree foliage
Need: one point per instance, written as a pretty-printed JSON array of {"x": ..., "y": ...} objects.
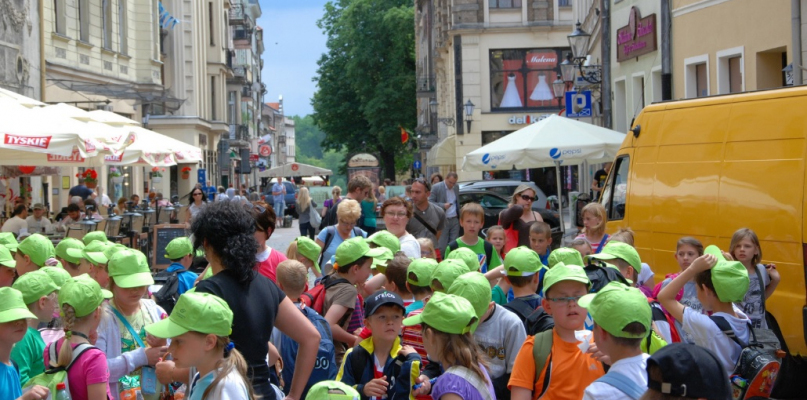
[
  {"x": 366, "y": 82},
  {"x": 308, "y": 138}
]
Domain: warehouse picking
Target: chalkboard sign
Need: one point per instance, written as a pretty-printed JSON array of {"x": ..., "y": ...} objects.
[{"x": 164, "y": 234}]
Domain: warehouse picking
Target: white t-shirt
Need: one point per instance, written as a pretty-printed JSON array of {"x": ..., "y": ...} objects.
[
  {"x": 645, "y": 274},
  {"x": 633, "y": 368},
  {"x": 500, "y": 338},
  {"x": 232, "y": 387},
  {"x": 16, "y": 223},
  {"x": 410, "y": 245},
  {"x": 706, "y": 334},
  {"x": 35, "y": 226}
]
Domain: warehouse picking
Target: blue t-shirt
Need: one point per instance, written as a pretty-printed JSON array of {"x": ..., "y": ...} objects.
[
  {"x": 278, "y": 187},
  {"x": 417, "y": 305},
  {"x": 186, "y": 278},
  {"x": 335, "y": 242},
  {"x": 9, "y": 382}
]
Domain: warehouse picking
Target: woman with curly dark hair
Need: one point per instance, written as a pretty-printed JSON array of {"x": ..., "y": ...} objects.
[{"x": 226, "y": 231}]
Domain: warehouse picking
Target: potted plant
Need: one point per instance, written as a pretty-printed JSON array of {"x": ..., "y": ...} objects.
[
  {"x": 157, "y": 174},
  {"x": 186, "y": 172},
  {"x": 90, "y": 178},
  {"x": 115, "y": 174}
]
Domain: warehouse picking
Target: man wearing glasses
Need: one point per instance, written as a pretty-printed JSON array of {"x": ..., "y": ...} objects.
[
  {"x": 446, "y": 194},
  {"x": 428, "y": 219}
]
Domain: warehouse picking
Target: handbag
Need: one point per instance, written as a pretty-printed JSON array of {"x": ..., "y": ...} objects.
[{"x": 314, "y": 215}]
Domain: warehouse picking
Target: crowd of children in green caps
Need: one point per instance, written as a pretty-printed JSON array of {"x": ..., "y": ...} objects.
[{"x": 453, "y": 329}]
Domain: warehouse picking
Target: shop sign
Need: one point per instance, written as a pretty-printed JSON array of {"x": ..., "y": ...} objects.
[
  {"x": 526, "y": 119},
  {"x": 253, "y": 157},
  {"x": 362, "y": 160},
  {"x": 265, "y": 151},
  {"x": 637, "y": 38}
]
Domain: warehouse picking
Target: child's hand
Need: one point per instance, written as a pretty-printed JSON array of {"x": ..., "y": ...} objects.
[
  {"x": 37, "y": 392},
  {"x": 406, "y": 350},
  {"x": 596, "y": 354},
  {"x": 164, "y": 370},
  {"x": 773, "y": 273},
  {"x": 727, "y": 256},
  {"x": 358, "y": 331},
  {"x": 425, "y": 386},
  {"x": 155, "y": 341},
  {"x": 376, "y": 387},
  {"x": 153, "y": 354},
  {"x": 703, "y": 263}
]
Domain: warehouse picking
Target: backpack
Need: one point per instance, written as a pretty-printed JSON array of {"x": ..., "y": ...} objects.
[
  {"x": 168, "y": 294},
  {"x": 542, "y": 355},
  {"x": 756, "y": 369},
  {"x": 315, "y": 298},
  {"x": 623, "y": 384},
  {"x": 664, "y": 321},
  {"x": 55, "y": 375},
  {"x": 330, "y": 232},
  {"x": 535, "y": 320},
  {"x": 488, "y": 251},
  {"x": 600, "y": 275},
  {"x": 325, "y": 368}
]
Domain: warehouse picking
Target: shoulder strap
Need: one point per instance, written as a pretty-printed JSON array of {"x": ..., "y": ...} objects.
[
  {"x": 329, "y": 234},
  {"x": 128, "y": 326},
  {"x": 426, "y": 224},
  {"x": 356, "y": 231},
  {"x": 520, "y": 308},
  {"x": 453, "y": 245},
  {"x": 488, "y": 252},
  {"x": 623, "y": 383},
  {"x": 761, "y": 288},
  {"x": 542, "y": 354},
  {"x": 471, "y": 377},
  {"x": 602, "y": 243},
  {"x": 725, "y": 327},
  {"x": 77, "y": 352}
]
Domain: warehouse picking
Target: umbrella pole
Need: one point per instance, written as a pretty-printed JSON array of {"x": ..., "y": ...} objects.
[{"x": 560, "y": 199}]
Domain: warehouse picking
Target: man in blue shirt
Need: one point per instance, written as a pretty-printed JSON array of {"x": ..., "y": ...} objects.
[
  {"x": 180, "y": 252},
  {"x": 278, "y": 197}
]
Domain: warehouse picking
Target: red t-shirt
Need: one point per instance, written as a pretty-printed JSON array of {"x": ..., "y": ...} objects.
[{"x": 266, "y": 262}]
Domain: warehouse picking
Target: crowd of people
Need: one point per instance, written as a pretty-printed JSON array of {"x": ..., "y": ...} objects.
[{"x": 372, "y": 315}]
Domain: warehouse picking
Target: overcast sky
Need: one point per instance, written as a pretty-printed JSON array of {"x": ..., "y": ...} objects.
[{"x": 293, "y": 44}]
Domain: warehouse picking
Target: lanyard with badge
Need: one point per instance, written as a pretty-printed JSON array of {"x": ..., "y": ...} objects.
[{"x": 148, "y": 376}]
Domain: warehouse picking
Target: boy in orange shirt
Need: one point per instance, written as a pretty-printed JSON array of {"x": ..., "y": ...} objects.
[{"x": 571, "y": 369}]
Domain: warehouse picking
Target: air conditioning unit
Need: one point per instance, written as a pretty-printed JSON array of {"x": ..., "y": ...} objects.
[{"x": 105, "y": 107}]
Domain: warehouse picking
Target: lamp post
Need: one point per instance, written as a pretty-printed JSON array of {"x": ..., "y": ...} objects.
[
  {"x": 469, "y": 114},
  {"x": 591, "y": 74},
  {"x": 559, "y": 88},
  {"x": 433, "y": 110}
]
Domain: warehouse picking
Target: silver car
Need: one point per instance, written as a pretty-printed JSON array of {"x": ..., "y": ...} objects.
[{"x": 505, "y": 188}]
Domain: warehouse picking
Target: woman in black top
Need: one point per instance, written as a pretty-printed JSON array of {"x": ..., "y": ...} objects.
[{"x": 226, "y": 232}]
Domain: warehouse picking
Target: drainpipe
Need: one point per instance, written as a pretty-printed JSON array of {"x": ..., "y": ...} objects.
[
  {"x": 666, "y": 50},
  {"x": 605, "y": 37},
  {"x": 795, "y": 33},
  {"x": 42, "y": 50}
]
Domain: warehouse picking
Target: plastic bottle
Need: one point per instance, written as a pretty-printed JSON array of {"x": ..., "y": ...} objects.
[{"x": 61, "y": 392}]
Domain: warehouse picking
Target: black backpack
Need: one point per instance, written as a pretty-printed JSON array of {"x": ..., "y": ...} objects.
[
  {"x": 168, "y": 294},
  {"x": 535, "y": 320},
  {"x": 600, "y": 275}
]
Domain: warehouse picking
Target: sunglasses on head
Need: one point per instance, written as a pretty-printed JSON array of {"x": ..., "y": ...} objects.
[{"x": 528, "y": 198}]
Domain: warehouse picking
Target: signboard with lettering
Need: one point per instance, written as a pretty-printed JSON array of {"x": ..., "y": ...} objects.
[
  {"x": 637, "y": 38},
  {"x": 362, "y": 160}
]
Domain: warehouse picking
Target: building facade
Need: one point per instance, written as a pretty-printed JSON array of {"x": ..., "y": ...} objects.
[{"x": 20, "y": 50}]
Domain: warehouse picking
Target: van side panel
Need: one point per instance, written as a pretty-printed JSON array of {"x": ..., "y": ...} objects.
[{"x": 708, "y": 167}]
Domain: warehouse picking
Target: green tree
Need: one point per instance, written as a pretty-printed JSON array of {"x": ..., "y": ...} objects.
[
  {"x": 308, "y": 137},
  {"x": 366, "y": 82}
]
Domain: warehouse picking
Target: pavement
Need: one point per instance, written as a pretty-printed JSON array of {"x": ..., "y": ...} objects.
[{"x": 282, "y": 237}]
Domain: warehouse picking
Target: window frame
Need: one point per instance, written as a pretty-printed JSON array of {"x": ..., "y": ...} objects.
[
  {"x": 495, "y": 4},
  {"x": 608, "y": 189}
]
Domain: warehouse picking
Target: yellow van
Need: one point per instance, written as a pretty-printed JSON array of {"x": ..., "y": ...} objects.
[{"x": 707, "y": 167}]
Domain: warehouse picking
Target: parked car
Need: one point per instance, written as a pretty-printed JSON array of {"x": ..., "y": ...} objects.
[
  {"x": 505, "y": 188},
  {"x": 493, "y": 204},
  {"x": 290, "y": 199}
]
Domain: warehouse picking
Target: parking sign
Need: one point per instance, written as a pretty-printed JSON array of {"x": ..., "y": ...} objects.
[{"x": 578, "y": 105}]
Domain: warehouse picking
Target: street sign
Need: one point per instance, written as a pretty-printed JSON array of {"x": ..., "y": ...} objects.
[
  {"x": 578, "y": 105},
  {"x": 201, "y": 176},
  {"x": 253, "y": 157},
  {"x": 265, "y": 151},
  {"x": 416, "y": 165}
]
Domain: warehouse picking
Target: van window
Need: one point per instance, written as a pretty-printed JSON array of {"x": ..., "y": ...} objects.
[{"x": 616, "y": 189}]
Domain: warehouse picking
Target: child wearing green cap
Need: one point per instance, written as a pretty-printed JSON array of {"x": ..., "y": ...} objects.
[
  {"x": 307, "y": 252},
  {"x": 32, "y": 253},
  {"x": 446, "y": 322},
  {"x": 380, "y": 366},
  {"x": 200, "y": 328},
  {"x": 418, "y": 276},
  {"x": 571, "y": 369},
  {"x": 180, "y": 252},
  {"x": 70, "y": 263},
  {"x": 8, "y": 270},
  {"x": 622, "y": 321},
  {"x": 13, "y": 316},
  {"x": 332, "y": 390},
  {"x": 472, "y": 218},
  {"x": 523, "y": 266},
  {"x": 80, "y": 301},
  {"x": 39, "y": 294},
  {"x": 720, "y": 284},
  {"x": 626, "y": 258}
]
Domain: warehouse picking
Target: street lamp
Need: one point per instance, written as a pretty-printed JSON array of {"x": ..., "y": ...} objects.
[
  {"x": 578, "y": 41},
  {"x": 433, "y": 110},
  {"x": 559, "y": 87},
  {"x": 567, "y": 69},
  {"x": 469, "y": 114}
]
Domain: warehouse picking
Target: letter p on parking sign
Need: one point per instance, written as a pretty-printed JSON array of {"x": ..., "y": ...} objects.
[{"x": 578, "y": 105}]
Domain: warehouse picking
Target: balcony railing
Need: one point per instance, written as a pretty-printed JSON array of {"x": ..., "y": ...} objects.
[
  {"x": 246, "y": 92},
  {"x": 237, "y": 14},
  {"x": 240, "y": 72}
]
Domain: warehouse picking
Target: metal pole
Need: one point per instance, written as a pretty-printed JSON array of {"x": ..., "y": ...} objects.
[
  {"x": 795, "y": 29},
  {"x": 560, "y": 200},
  {"x": 605, "y": 36},
  {"x": 666, "y": 51}
]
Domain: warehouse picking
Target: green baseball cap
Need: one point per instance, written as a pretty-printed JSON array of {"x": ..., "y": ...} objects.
[
  {"x": 446, "y": 273},
  {"x": 563, "y": 272},
  {"x": 522, "y": 261},
  {"x": 620, "y": 250},
  {"x": 380, "y": 262},
  {"x": 566, "y": 255},
  {"x": 447, "y": 313},
  {"x": 13, "y": 307},
  {"x": 309, "y": 249},
  {"x": 93, "y": 252},
  {"x": 38, "y": 248},
  {"x": 474, "y": 287},
  {"x": 83, "y": 293},
  {"x": 195, "y": 312},
  {"x": 385, "y": 239},
  {"x": 467, "y": 256},
  {"x": 332, "y": 390},
  {"x": 128, "y": 271},
  {"x": 420, "y": 271},
  {"x": 57, "y": 274},
  {"x": 111, "y": 249},
  {"x": 178, "y": 248},
  {"x": 70, "y": 243},
  {"x": 6, "y": 259},
  {"x": 730, "y": 278},
  {"x": 353, "y": 249},
  {"x": 8, "y": 240},
  {"x": 93, "y": 236},
  {"x": 616, "y": 306},
  {"x": 34, "y": 285}
]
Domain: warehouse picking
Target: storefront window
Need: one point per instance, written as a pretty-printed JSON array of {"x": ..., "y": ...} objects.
[{"x": 522, "y": 78}]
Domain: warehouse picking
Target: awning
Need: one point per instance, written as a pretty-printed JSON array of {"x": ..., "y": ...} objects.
[
  {"x": 444, "y": 152},
  {"x": 295, "y": 169}
]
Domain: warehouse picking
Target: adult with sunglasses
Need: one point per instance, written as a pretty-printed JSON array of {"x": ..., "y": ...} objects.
[
  {"x": 519, "y": 217},
  {"x": 396, "y": 213},
  {"x": 198, "y": 202}
]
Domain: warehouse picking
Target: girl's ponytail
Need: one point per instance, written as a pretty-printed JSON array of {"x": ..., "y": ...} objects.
[
  {"x": 66, "y": 352},
  {"x": 233, "y": 360},
  {"x": 459, "y": 350}
]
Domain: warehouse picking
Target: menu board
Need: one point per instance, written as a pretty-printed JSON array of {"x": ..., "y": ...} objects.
[{"x": 164, "y": 234}]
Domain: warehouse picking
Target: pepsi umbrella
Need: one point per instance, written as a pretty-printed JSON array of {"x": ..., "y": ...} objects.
[{"x": 553, "y": 141}]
